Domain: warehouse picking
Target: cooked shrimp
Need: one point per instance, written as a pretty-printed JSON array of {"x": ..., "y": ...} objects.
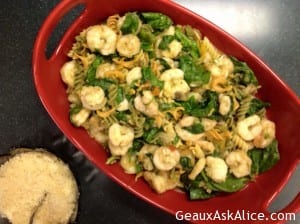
[
  {"x": 128, "y": 163},
  {"x": 171, "y": 63},
  {"x": 225, "y": 104},
  {"x": 174, "y": 82},
  {"x": 68, "y": 72},
  {"x": 146, "y": 104},
  {"x": 187, "y": 121},
  {"x": 79, "y": 118},
  {"x": 118, "y": 150},
  {"x": 101, "y": 38},
  {"x": 249, "y": 127},
  {"x": 134, "y": 74},
  {"x": 208, "y": 124},
  {"x": 169, "y": 31},
  {"x": 222, "y": 66},
  {"x": 168, "y": 134},
  {"x": 124, "y": 105},
  {"x": 103, "y": 68},
  {"x": 144, "y": 156},
  {"x": 159, "y": 182},
  {"x": 92, "y": 97},
  {"x": 120, "y": 135},
  {"x": 206, "y": 146},
  {"x": 174, "y": 48},
  {"x": 128, "y": 45},
  {"x": 267, "y": 134},
  {"x": 165, "y": 158},
  {"x": 184, "y": 134},
  {"x": 216, "y": 169},
  {"x": 239, "y": 163},
  {"x": 96, "y": 130},
  {"x": 197, "y": 96}
]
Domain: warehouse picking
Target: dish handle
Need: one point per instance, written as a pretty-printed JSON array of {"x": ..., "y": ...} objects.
[
  {"x": 293, "y": 206},
  {"x": 53, "y": 19},
  {"x": 289, "y": 210}
]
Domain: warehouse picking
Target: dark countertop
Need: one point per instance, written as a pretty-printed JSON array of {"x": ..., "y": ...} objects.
[{"x": 271, "y": 28}]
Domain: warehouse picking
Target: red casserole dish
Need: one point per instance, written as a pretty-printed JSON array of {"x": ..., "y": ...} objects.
[{"x": 284, "y": 111}]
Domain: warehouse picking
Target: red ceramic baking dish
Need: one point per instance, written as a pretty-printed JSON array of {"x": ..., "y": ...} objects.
[{"x": 285, "y": 108}]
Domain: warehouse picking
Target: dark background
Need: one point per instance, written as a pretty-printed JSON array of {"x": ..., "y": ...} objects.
[{"x": 271, "y": 28}]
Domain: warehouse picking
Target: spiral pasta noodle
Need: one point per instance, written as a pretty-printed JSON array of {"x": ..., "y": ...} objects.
[
  {"x": 112, "y": 22},
  {"x": 137, "y": 122},
  {"x": 244, "y": 107},
  {"x": 109, "y": 120},
  {"x": 239, "y": 143},
  {"x": 214, "y": 135},
  {"x": 207, "y": 48},
  {"x": 79, "y": 80},
  {"x": 112, "y": 95}
]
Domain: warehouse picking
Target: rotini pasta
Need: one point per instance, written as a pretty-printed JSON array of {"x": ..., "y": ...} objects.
[
  {"x": 239, "y": 143},
  {"x": 244, "y": 107},
  {"x": 166, "y": 103},
  {"x": 112, "y": 22}
]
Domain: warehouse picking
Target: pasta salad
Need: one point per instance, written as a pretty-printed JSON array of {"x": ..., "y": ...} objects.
[{"x": 168, "y": 105}]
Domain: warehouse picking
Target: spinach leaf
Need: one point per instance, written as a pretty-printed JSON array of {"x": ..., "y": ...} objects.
[
  {"x": 72, "y": 113},
  {"x": 138, "y": 167},
  {"x": 147, "y": 47},
  {"x": 175, "y": 140},
  {"x": 165, "y": 41},
  {"x": 136, "y": 147},
  {"x": 148, "y": 75},
  {"x": 255, "y": 155},
  {"x": 193, "y": 73},
  {"x": 164, "y": 63},
  {"x": 103, "y": 83},
  {"x": 149, "y": 136},
  {"x": 189, "y": 105},
  {"x": 91, "y": 79},
  {"x": 189, "y": 45},
  {"x": 193, "y": 187},
  {"x": 255, "y": 106},
  {"x": 196, "y": 193},
  {"x": 187, "y": 182},
  {"x": 166, "y": 106},
  {"x": 120, "y": 95},
  {"x": 91, "y": 72},
  {"x": 208, "y": 105},
  {"x": 185, "y": 162},
  {"x": 195, "y": 128},
  {"x": 147, "y": 39},
  {"x": 146, "y": 34},
  {"x": 270, "y": 156},
  {"x": 231, "y": 184},
  {"x": 206, "y": 108},
  {"x": 148, "y": 124},
  {"x": 157, "y": 21},
  {"x": 121, "y": 115},
  {"x": 130, "y": 24},
  {"x": 75, "y": 110},
  {"x": 245, "y": 74},
  {"x": 264, "y": 159}
]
